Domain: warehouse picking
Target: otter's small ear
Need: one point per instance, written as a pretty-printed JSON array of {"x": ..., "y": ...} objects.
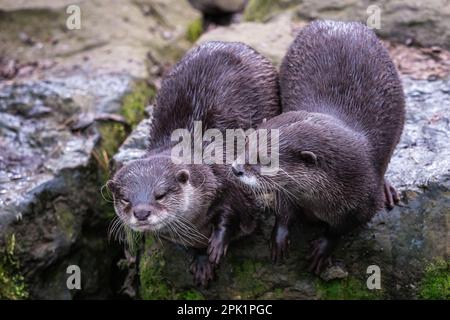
[
  {"x": 182, "y": 176},
  {"x": 111, "y": 185},
  {"x": 309, "y": 157}
]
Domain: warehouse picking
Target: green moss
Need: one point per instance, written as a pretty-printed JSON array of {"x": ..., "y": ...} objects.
[
  {"x": 278, "y": 293},
  {"x": 153, "y": 285},
  {"x": 113, "y": 134},
  {"x": 190, "y": 295},
  {"x": 12, "y": 284},
  {"x": 263, "y": 10},
  {"x": 65, "y": 219},
  {"x": 134, "y": 103},
  {"x": 246, "y": 276},
  {"x": 435, "y": 284},
  {"x": 257, "y": 10},
  {"x": 346, "y": 289},
  {"x": 194, "y": 30}
]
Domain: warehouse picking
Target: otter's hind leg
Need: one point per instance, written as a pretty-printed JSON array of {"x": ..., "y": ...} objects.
[
  {"x": 280, "y": 240},
  {"x": 220, "y": 238},
  {"x": 391, "y": 197},
  {"x": 201, "y": 268},
  {"x": 323, "y": 247}
]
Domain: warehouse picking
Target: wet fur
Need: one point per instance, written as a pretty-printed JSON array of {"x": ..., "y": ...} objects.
[
  {"x": 224, "y": 85},
  {"x": 343, "y": 101}
]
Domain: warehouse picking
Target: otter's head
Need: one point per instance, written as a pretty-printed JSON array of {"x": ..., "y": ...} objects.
[
  {"x": 151, "y": 193},
  {"x": 314, "y": 152}
]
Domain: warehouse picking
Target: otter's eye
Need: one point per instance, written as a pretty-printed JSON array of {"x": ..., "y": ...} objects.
[
  {"x": 124, "y": 202},
  {"x": 159, "y": 196}
]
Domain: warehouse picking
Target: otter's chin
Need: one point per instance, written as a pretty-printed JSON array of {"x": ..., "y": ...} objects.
[
  {"x": 152, "y": 223},
  {"x": 146, "y": 226}
]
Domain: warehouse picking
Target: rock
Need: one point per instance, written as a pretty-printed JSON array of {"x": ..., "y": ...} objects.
[
  {"x": 424, "y": 23},
  {"x": 52, "y": 163},
  {"x": 404, "y": 242},
  {"x": 51, "y": 183},
  {"x": 334, "y": 272},
  {"x": 113, "y": 37},
  {"x": 135, "y": 145},
  {"x": 271, "y": 39}
]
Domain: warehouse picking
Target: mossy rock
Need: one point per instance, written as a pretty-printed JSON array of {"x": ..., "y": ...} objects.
[
  {"x": 245, "y": 275},
  {"x": 12, "y": 283},
  {"x": 346, "y": 289},
  {"x": 436, "y": 282},
  {"x": 262, "y": 10},
  {"x": 194, "y": 30},
  {"x": 134, "y": 103}
]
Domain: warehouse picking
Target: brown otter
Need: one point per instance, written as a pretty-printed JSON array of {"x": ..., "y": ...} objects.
[
  {"x": 225, "y": 86},
  {"x": 343, "y": 116}
]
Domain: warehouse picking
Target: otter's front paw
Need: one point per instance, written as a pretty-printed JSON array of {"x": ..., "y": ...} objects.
[
  {"x": 202, "y": 270},
  {"x": 217, "y": 249},
  {"x": 320, "y": 255},
  {"x": 280, "y": 243}
]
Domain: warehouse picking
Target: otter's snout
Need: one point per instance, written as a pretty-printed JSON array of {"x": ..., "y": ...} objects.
[
  {"x": 141, "y": 213},
  {"x": 238, "y": 169}
]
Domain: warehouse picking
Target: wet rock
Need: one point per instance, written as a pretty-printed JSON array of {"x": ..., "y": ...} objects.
[
  {"x": 49, "y": 182},
  {"x": 135, "y": 145},
  {"x": 334, "y": 272}
]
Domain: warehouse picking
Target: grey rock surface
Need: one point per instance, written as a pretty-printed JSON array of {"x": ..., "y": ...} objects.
[{"x": 49, "y": 182}]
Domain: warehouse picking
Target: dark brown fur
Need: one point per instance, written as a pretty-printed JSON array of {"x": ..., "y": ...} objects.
[
  {"x": 225, "y": 86},
  {"x": 343, "y": 115}
]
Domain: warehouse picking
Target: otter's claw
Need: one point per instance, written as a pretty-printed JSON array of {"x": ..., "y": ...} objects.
[
  {"x": 217, "y": 249},
  {"x": 202, "y": 270},
  {"x": 391, "y": 197},
  {"x": 218, "y": 244},
  {"x": 280, "y": 243},
  {"x": 320, "y": 256}
]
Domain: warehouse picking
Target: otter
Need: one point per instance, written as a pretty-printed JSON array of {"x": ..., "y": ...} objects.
[
  {"x": 224, "y": 86},
  {"x": 343, "y": 114}
]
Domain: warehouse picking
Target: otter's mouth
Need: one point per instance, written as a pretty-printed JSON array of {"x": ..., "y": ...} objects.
[
  {"x": 143, "y": 226},
  {"x": 243, "y": 175},
  {"x": 249, "y": 180}
]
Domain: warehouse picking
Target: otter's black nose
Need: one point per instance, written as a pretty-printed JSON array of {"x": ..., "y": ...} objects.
[
  {"x": 238, "y": 169},
  {"x": 141, "y": 214}
]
